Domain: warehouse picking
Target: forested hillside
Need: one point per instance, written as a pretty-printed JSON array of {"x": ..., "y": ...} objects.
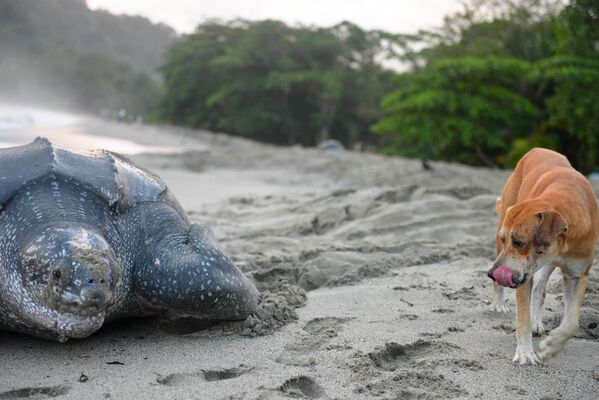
[{"x": 59, "y": 51}]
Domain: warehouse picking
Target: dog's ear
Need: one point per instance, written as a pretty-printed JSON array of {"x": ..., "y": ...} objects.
[{"x": 551, "y": 224}]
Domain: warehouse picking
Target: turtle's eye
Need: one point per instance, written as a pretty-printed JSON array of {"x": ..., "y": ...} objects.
[
  {"x": 517, "y": 244},
  {"x": 57, "y": 274}
]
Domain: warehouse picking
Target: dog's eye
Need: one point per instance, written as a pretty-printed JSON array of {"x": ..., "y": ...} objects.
[{"x": 517, "y": 244}]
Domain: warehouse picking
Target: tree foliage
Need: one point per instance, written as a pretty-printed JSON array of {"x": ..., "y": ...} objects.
[
  {"x": 272, "y": 82},
  {"x": 465, "y": 109},
  {"x": 498, "y": 79}
]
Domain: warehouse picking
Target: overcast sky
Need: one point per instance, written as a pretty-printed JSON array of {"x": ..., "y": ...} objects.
[{"x": 400, "y": 16}]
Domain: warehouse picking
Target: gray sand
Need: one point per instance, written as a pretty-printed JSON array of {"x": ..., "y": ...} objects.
[{"x": 373, "y": 280}]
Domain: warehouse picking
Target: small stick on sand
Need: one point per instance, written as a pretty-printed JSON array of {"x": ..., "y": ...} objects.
[{"x": 405, "y": 301}]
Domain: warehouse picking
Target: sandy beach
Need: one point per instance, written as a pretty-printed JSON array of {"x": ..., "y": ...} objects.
[{"x": 373, "y": 279}]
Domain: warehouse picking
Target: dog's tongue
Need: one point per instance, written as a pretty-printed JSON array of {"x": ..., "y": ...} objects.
[{"x": 503, "y": 276}]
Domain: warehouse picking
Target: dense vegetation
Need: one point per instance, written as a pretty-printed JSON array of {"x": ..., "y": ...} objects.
[
  {"x": 495, "y": 80},
  {"x": 58, "y": 51},
  {"x": 492, "y": 82},
  {"x": 272, "y": 82},
  {"x": 490, "y": 85}
]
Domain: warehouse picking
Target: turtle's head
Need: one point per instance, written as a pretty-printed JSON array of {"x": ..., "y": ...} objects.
[{"x": 71, "y": 271}]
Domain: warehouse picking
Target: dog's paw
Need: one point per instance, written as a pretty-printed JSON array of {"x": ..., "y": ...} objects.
[
  {"x": 500, "y": 306},
  {"x": 551, "y": 345},
  {"x": 538, "y": 329},
  {"x": 526, "y": 355}
]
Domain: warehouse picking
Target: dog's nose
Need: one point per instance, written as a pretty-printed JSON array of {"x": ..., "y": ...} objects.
[{"x": 490, "y": 274}]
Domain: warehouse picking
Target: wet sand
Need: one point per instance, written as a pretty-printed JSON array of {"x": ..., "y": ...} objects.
[{"x": 373, "y": 279}]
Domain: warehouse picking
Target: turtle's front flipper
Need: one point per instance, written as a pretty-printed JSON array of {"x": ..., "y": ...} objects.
[{"x": 185, "y": 273}]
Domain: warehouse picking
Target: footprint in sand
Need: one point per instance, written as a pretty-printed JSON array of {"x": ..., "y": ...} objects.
[
  {"x": 43, "y": 392},
  {"x": 298, "y": 387},
  {"x": 302, "y": 387},
  {"x": 394, "y": 355},
  {"x": 472, "y": 365},
  {"x": 442, "y": 310},
  {"x": 422, "y": 385},
  {"x": 408, "y": 371},
  {"x": 505, "y": 328},
  {"x": 325, "y": 327},
  {"x": 432, "y": 335},
  {"x": 465, "y": 293},
  {"x": 410, "y": 317},
  {"x": 178, "y": 379},
  {"x": 319, "y": 331}
]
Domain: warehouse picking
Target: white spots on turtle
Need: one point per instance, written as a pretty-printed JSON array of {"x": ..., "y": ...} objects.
[{"x": 157, "y": 262}]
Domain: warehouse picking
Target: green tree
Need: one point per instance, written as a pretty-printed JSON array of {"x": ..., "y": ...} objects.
[
  {"x": 272, "y": 82},
  {"x": 569, "y": 84},
  {"x": 528, "y": 75},
  {"x": 463, "y": 109}
]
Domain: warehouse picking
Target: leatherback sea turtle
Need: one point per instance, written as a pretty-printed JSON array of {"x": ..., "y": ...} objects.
[{"x": 90, "y": 237}]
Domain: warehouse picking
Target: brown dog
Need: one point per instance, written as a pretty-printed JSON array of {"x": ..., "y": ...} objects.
[{"x": 548, "y": 217}]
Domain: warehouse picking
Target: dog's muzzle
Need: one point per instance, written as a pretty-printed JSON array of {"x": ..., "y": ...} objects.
[{"x": 506, "y": 277}]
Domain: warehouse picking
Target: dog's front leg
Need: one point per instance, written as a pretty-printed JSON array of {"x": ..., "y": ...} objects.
[
  {"x": 525, "y": 353},
  {"x": 500, "y": 303},
  {"x": 574, "y": 288}
]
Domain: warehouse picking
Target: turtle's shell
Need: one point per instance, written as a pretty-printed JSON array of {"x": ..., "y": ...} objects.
[{"x": 112, "y": 177}]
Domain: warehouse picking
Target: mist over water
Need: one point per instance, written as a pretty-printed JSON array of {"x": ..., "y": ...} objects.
[
  {"x": 20, "y": 124},
  {"x": 15, "y": 117}
]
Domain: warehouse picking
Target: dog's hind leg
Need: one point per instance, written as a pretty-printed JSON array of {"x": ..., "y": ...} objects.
[
  {"x": 538, "y": 298},
  {"x": 574, "y": 288}
]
